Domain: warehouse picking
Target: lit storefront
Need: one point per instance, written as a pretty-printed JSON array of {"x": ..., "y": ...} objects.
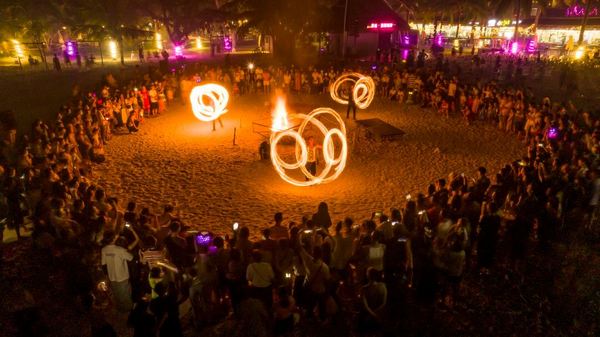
[{"x": 555, "y": 26}]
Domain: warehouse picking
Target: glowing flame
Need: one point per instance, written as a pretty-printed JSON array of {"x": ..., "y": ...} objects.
[
  {"x": 217, "y": 96},
  {"x": 363, "y": 89},
  {"x": 280, "y": 116},
  {"x": 333, "y": 165}
]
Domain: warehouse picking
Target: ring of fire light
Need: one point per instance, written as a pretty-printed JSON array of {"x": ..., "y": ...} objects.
[
  {"x": 209, "y": 101},
  {"x": 363, "y": 90},
  {"x": 333, "y": 165}
]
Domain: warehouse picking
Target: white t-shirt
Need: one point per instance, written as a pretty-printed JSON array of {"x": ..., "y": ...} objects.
[
  {"x": 115, "y": 259},
  {"x": 260, "y": 274}
]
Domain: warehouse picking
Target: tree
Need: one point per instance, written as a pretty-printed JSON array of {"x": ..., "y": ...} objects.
[
  {"x": 101, "y": 19},
  {"x": 584, "y": 21},
  {"x": 286, "y": 21},
  {"x": 182, "y": 17},
  {"x": 30, "y": 19}
]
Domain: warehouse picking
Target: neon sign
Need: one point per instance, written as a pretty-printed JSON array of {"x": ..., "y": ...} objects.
[
  {"x": 577, "y": 10},
  {"x": 383, "y": 25}
]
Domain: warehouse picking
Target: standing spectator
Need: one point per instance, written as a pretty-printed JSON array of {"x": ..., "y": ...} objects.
[
  {"x": 316, "y": 282},
  {"x": 278, "y": 232},
  {"x": 321, "y": 219},
  {"x": 56, "y": 63},
  {"x": 488, "y": 237},
  {"x": 374, "y": 300},
  {"x": 115, "y": 256},
  {"x": 260, "y": 278}
]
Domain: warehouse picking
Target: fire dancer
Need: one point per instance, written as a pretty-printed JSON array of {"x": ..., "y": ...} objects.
[
  {"x": 311, "y": 163},
  {"x": 351, "y": 104}
]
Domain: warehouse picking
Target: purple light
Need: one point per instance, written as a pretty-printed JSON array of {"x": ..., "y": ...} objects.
[
  {"x": 406, "y": 40},
  {"x": 404, "y": 54},
  {"x": 531, "y": 46},
  {"x": 514, "y": 47},
  {"x": 178, "y": 51},
  {"x": 203, "y": 239},
  {"x": 552, "y": 133},
  {"x": 227, "y": 43},
  {"x": 70, "y": 48},
  {"x": 439, "y": 40}
]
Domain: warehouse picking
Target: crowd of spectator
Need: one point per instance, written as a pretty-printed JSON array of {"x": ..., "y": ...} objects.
[{"x": 310, "y": 268}]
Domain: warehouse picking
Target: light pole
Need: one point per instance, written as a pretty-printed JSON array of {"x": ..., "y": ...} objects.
[{"x": 344, "y": 34}]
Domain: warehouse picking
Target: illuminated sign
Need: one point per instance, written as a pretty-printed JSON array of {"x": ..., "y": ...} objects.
[
  {"x": 577, "y": 10},
  {"x": 383, "y": 25}
]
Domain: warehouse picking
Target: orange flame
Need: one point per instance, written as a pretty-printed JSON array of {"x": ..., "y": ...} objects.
[{"x": 280, "y": 116}]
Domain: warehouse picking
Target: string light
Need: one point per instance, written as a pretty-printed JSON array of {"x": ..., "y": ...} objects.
[
  {"x": 363, "y": 89},
  {"x": 333, "y": 165},
  {"x": 217, "y": 96}
]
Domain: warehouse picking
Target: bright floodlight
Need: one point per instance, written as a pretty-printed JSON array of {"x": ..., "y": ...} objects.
[
  {"x": 215, "y": 105},
  {"x": 250, "y": 66},
  {"x": 158, "y": 39},
  {"x": 363, "y": 90},
  {"x": 18, "y": 48},
  {"x": 579, "y": 53},
  {"x": 333, "y": 165},
  {"x": 112, "y": 48}
]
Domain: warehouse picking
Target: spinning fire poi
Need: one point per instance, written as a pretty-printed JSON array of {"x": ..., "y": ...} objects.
[
  {"x": 333, "y": 165},
  {"x": 363, "y": 89},
  {"x": 209, "y": 101}
]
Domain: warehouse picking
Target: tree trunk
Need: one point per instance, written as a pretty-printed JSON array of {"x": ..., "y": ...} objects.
[
  {"x": 584, "y": 22},
  {"x": 121, "y": 49},
  {"x": 457, "y": 25},
  {"x": 516, "y": 34}
]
